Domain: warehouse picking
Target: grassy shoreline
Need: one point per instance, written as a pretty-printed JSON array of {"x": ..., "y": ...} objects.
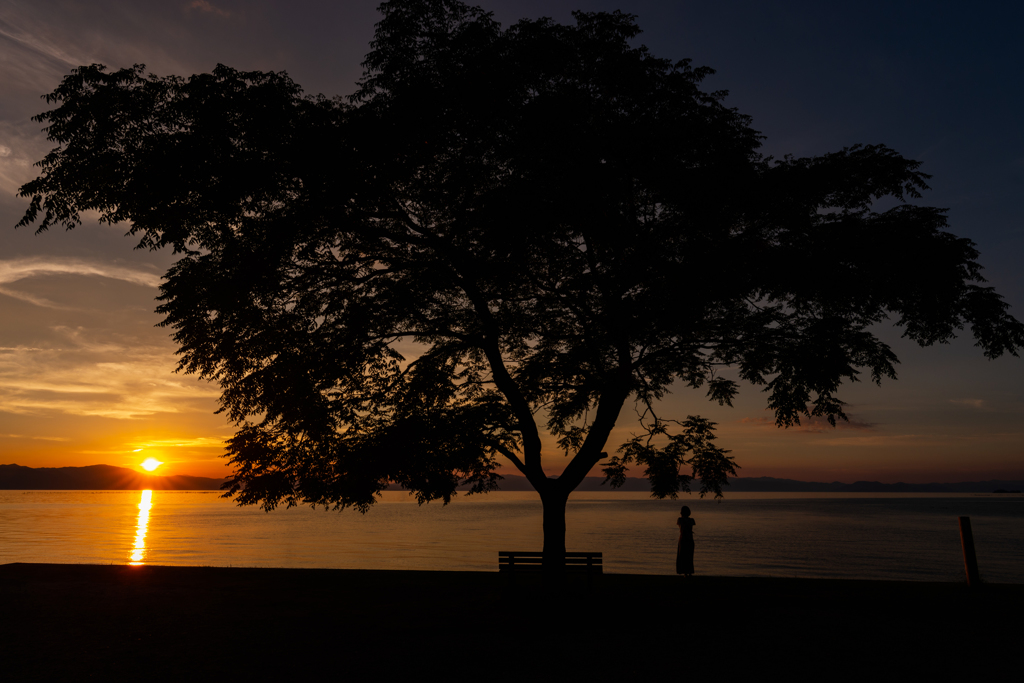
[{"x": 116, "y": 622}]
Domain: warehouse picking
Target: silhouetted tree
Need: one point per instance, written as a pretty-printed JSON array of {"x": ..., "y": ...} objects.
[{"x": 561, "y": 222}]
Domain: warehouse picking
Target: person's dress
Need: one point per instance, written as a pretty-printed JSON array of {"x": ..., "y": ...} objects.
[{"x": 684, "y": 551}]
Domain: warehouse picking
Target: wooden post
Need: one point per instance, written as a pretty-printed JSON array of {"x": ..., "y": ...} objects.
[{"x": 970, "y": 560}]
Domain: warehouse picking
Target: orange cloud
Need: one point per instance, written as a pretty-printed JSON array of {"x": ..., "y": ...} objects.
[
  {"x": 86, "y": 375},
  {"x": 38, "y": 438}
]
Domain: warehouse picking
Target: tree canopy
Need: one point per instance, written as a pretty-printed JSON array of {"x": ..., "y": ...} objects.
[{"x": 562, "y": 222}]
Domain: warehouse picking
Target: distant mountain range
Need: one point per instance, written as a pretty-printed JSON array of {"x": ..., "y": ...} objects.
[
  {"x": 98, "y": 478},
  {"x": 793, "y": 486},
  {"x": 770, "y": 484},
  {"x": 108, "y": 477}
]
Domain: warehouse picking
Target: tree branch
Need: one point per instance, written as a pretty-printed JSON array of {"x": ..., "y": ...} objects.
[{"x": 513, "y": 458}]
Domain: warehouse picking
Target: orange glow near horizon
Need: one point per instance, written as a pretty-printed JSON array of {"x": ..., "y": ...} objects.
[
  {"x": 141, "y": 525},
  {"x": 150, "y": 464}
]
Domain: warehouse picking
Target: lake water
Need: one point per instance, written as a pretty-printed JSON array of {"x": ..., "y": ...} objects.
[{"x": 864, "y": 536}]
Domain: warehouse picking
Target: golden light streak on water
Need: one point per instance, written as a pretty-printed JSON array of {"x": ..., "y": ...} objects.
[{"x": 139, "y": 551}]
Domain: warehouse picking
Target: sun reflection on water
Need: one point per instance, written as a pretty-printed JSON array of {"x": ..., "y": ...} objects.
[{"x": 139, "y": 551}]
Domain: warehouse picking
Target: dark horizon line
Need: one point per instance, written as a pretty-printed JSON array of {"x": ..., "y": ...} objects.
[
  {"x": 777, "y": 485},
  {"x": 113, "y": 477}
]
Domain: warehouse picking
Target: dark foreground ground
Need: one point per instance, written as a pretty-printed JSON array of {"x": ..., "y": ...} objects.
[{"x": 108, "y": 623}]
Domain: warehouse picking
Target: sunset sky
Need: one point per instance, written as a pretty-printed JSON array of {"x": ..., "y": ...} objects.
[{"x": 86, "y": 377}]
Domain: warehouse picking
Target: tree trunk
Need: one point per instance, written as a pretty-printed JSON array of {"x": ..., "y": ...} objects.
[{"x": 554, "y": 500}]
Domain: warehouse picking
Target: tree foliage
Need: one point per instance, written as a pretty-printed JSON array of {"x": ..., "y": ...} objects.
[{"x": 560, "y": 221}]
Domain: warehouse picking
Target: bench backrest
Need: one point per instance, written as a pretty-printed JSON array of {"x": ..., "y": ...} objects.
[{"x": 533, "y": 561}]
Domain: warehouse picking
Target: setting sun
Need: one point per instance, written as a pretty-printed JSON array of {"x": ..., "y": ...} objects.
[{"x": 150, "y": 464}]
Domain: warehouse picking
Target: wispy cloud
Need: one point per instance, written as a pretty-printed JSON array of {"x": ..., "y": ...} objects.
[
  {"x": 22, "y": 143},
  {"x": 883, "y": 440},
  {"x": 972, "y": 402},
  {"x": 34, "y": 42},
  {"x": 36, "y": 53},
  {"x": 812, "y": 425},
  {"x": 189, "y": 449},
  {"x": 196, "y": 442},
  {"x": 204, "y": 6},
  {"x": 19, "y": 269},
  {"x": 30, "y": 298},
  {"x": 194, "y": 449},
  {"x": 15, "y": 270},
  {"x": 36, "y": 438},
  {"x": 119, "y": 378}
]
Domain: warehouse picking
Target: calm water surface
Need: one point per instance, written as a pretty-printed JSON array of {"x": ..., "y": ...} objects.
[{"x": 883, "y": 536}]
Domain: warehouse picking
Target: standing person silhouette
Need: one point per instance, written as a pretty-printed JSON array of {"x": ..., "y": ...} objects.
[{"x": 684, "y": 551}]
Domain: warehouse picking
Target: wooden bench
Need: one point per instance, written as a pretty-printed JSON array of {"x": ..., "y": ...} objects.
[{"x": 514, "y": 561}]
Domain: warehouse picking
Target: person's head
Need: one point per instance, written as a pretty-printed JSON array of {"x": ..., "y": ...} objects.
[{"x": 685, "y": 512}]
